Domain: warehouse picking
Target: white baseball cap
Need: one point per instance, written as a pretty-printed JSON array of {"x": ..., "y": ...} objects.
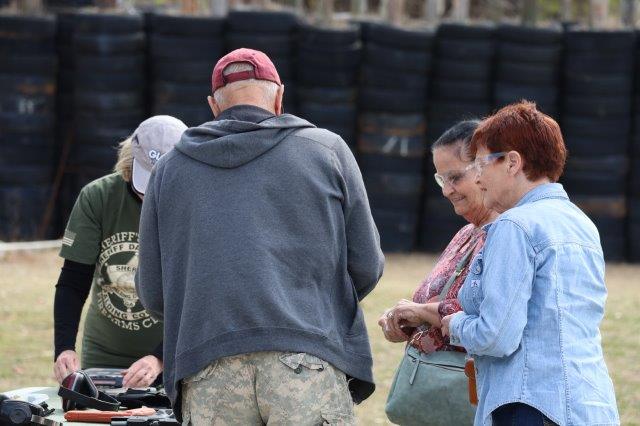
[{"x": 153, "y": 138}]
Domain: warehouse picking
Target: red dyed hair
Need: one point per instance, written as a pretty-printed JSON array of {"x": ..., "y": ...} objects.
[{"x": 536, "y": 136}]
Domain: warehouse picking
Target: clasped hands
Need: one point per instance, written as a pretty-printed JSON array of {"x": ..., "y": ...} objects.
[{"x": 397, "y": 322}]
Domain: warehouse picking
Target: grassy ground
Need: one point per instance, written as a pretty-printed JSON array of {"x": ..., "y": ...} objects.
[{"x": 26, "y": 329}]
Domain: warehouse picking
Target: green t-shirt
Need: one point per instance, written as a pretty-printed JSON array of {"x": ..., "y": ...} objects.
[{"x": 103, "y": 230}]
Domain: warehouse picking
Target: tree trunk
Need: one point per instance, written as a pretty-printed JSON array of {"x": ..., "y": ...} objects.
[
  {"x": 598, "y": 13},
  {"x": 529, "y": 12},
  {"x": 383, "y": 9},
  {"x": 566, "y": 14},
  {"x": 432, "y": 11},
  {"x": 628, "y": 13},
  {"x": 359, "y": 7},
  {"x": 324, "y": 11},
  {"x": 494, "y": 10},
  {"x": 29, "y": 6},
  {"x": 187, "y": 7},
  {"x": 219, "y": 7},
  {"x": 396, "y": 11},
  {"x": 460, "y": 10}
]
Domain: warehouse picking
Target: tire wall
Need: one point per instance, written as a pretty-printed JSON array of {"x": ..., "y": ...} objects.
[
  {"x": 274, "y": 33},
  {"x": 327, "y": 72},
  {"x": 596, "y": 121},
  {"x": 102, "y": 96},
  {"x": 27, "y": 120},
  {"x": 633, "y": 235},
  {"x": 82, "y": 82},
  {"x": 461, "y": 88},
  {"x": 392, "y": 143},
  {"x": 180, "y": 73}
]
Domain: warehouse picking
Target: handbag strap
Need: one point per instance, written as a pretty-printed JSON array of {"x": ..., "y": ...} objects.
[{"x": 459, "y": 268}]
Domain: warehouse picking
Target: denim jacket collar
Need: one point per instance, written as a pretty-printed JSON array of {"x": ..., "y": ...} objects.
[{"x": 546, "y": 190}]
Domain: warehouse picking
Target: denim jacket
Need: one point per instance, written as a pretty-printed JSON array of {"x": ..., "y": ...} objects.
[{"x": 533, "y": 301}]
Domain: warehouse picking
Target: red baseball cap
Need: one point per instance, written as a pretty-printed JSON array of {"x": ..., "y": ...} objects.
[{"x": 263, "y": 68}]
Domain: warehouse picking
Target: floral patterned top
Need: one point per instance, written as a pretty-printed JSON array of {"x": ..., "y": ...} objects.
[{"x": 427, "y": 338}]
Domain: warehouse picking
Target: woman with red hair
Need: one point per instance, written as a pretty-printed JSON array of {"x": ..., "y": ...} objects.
[{"x": 534, "y": 296}]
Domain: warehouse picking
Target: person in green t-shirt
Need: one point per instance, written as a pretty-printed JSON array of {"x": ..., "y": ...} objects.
[{"x": 100, "y": 248}]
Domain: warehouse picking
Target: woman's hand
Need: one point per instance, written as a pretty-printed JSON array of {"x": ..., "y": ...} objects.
[
  {"x": 142, "y": 373},
  {"x": 392, "y": 332},
  {"x": 410, "y": 314},
  {"x": 445, "y": 324},
  {"x": 66, "y": 363}
]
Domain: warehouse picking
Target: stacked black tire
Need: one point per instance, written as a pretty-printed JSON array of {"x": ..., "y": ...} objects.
[
  {"x": 328, "y": 61},
  {"x": 182, "y": 53},
  {"x": 461, "y": 88},
  {"x": 273, "y": 33},
  {"x": 634, "y": 184},
  {"x": 109, "y": 98},
  {"x": 598, "y": 76},
  {"x": 27, "y": 121},
  {"x": 528, "y": 66},
  {"x": 392, "y": 128},
  {"x": 68, "y": 189}
]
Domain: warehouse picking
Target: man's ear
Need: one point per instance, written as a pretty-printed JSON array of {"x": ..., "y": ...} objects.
[
  {"x": 515, "y": 162},
  {"x": 215, "y": 108},
  {"x": 279, "y": 97}
]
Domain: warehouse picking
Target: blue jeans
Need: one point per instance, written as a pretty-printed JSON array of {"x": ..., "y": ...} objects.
[{"x": 518, "y": 414}]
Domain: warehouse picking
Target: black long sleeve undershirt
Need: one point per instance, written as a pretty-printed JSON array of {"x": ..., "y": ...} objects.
[{"x": 72, "y": 290}]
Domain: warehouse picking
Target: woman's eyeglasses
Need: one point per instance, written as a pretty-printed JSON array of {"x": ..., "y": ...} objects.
[
  {"x": 452, "y": 178},
  {"x": 482, "y": 162}
]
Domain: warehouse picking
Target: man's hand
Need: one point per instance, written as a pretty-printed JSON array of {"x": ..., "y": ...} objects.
[
  {"x": 391, "y": 331},
  {"x": 66, "y": 363},
  {"x": 142, "y": 373}
]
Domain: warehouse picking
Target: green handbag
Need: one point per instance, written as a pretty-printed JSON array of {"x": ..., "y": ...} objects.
[{"x": 432, "y": 389}]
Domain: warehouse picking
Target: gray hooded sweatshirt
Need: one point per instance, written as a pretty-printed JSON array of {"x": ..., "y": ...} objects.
[{"x": 256, "y": 235}]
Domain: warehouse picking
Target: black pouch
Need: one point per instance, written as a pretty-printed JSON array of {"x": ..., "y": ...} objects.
[{"x": 136, "y": 398}]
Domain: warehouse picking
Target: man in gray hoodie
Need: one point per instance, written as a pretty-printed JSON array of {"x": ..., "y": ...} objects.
[{"x": 256, "y": 246}]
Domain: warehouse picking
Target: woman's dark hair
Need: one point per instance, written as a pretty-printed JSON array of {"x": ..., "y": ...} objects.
[{"x": 459, "y": 134}]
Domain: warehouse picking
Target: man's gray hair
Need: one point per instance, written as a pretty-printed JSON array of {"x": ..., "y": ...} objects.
[{"x": 269, "y": 88}]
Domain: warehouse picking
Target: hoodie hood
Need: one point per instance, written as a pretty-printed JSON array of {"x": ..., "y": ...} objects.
[{"x": 238, "y": 135}]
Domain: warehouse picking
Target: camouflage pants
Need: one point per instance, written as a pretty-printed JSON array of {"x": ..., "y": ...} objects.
[{"x": 273, "y": 388}]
